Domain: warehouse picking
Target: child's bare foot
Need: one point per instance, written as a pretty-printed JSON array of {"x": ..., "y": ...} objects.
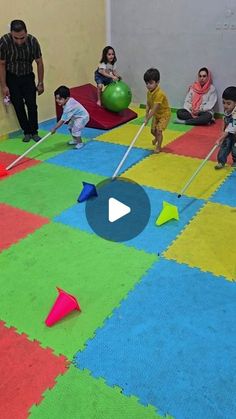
[{"x": 157, "y": 150}]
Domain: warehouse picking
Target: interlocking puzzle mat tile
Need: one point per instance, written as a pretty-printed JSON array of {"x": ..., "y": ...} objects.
[
  {"x": 49, "y": 124},
  {"x": 6, "y": 159},
  {"x": 179, "y": 127},
  {"x": 99, "y": 273},
  {"x": 85, "y": 397},
  {"x": 170, "y": 172},
  {"x": 99, "y": 157},
  {"x": 140, "y": 120},
  {"x": 15, "y": 224},
  {"x": 157, "y": 238},
  {"x": 45, "y": 189},
  {"x": 226, "y": 194},
  {"x": 153, "y": 239},
  {"x": 26, "y": 372},
  {"x": 209, "y": 241},
  {"x": 212, "y": 130},
  {"x": 125, "y": 134},
  {"x": 86, "y": 133},
  {"x": 53, "y": 145},
  {"x": 171, "y": 125},
  {"x": 172, "y": 343},
  {"x": 194, "y": 145},
  {"x": 92, "y": 132},
  {"x": 139, "y": 111}
]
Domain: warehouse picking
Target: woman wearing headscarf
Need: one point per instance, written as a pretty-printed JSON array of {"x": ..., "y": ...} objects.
[{"x": 199, "y": 102}]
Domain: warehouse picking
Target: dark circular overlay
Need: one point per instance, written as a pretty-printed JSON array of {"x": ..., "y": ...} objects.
[{"x": 127, "y": 193}]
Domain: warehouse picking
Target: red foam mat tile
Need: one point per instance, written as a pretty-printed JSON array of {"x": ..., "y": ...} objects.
[
  {"x": 15, "y": 224},
  {"x": 99, "y": 117},
  {"x": 212, "y": 130},
  {"x": 26, "y": 371},
  {"x": 191, "y": 144},
  {"x": 7, "y": 158}
]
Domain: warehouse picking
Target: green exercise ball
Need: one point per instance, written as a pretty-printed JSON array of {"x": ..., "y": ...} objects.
[{"x": 116, "y": 96}]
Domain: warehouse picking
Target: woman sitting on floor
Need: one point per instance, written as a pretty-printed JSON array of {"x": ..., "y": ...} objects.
[{"x": 199, "y": 102}]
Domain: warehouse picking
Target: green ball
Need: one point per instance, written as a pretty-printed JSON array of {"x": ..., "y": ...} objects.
[{"x": 116, "y": 96}]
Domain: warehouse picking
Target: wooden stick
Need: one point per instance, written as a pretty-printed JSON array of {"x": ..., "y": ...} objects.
[
  {"x": 198, "y": 170},
  {"x": 127, "y": 152},
  {"x": 27, "y": 151}
]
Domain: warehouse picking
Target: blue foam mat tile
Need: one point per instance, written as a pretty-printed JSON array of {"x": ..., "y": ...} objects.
[
  {"x": 172, "y": 343},
  {"x": 100, "y": 158},
  {"x": 226, "y": 194},
  {"x": 153, "y": 239},
  {"x": 92, "y": 132},
  {"x": 47, "y": 125},
  {"x": 86, "y": 133}
]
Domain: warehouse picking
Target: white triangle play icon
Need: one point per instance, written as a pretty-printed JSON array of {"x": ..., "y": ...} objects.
[{"x": 117, "y": 210}]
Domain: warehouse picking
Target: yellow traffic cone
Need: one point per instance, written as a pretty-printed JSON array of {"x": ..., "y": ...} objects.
[{"x": 169, "y": 212}]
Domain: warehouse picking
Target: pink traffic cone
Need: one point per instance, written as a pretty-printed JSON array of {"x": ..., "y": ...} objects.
[{"x": 64, "y": 304}]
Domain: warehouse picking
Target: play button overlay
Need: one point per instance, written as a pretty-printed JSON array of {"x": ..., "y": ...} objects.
[
  {"x": 121, "y": 210},
  {"x": 117, "y": 210}
]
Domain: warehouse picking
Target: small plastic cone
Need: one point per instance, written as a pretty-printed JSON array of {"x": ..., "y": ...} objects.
[
  {"x": 87, "y": 192},
  {"x": 64, "y": 304},
  {"x": 169, "y": 212},
  {"x": 3, "y": 171}
]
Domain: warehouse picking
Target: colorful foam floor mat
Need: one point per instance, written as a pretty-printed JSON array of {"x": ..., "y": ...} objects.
[{"x": 156, "y": 334}]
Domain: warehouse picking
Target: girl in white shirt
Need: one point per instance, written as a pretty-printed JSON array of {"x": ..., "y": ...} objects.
[{"x": 106, "y": 72}]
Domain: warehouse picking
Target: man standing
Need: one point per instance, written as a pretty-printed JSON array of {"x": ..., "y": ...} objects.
[{"x": 18, "y": 50}]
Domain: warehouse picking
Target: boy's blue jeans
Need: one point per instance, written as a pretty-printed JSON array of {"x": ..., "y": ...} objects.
[{"x": 228, "y": 146}]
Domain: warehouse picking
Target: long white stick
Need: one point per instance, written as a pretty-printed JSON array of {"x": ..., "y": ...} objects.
[
  {"x": 198, "y": 170},
  {"x": 127, "y": 152},
  {"x": 27, "y": 151}
]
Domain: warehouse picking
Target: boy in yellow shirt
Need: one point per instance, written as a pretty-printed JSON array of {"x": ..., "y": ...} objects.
[{"x": 157, "y": 107}]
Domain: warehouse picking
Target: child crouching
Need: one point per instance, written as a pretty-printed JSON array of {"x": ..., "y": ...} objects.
[{"x": 73, "y": 113}]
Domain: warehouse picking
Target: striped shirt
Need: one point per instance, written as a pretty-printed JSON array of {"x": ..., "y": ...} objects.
[{"x": 19, "y": 58}]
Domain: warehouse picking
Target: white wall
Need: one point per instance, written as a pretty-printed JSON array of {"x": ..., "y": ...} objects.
[{"x": 178, "y": 37}]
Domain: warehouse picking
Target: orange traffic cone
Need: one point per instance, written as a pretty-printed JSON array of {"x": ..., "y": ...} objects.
[{"x": 64, "y": 304}]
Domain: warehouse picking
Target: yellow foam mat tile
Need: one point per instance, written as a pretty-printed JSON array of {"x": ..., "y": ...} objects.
[
  {"x": 209, "y": 241},
  {"x": 170, "y": 172},
  {"x": 3, "y": 137},
  {"x": 139, "y": 111},
  {"x": 125, "y": 134}
]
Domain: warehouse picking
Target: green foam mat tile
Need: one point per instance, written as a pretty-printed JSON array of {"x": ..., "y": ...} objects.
[
  {"x": 45, "y": 189},
  {"x": 179, "y": 127},
  {"x": 139, "y": 121},
  {"x": 172, "y": 126},
  {"x": 97, "y": 272},
  {"x": 78, "y": 395},
  {"x": 50, "y": 147}
]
